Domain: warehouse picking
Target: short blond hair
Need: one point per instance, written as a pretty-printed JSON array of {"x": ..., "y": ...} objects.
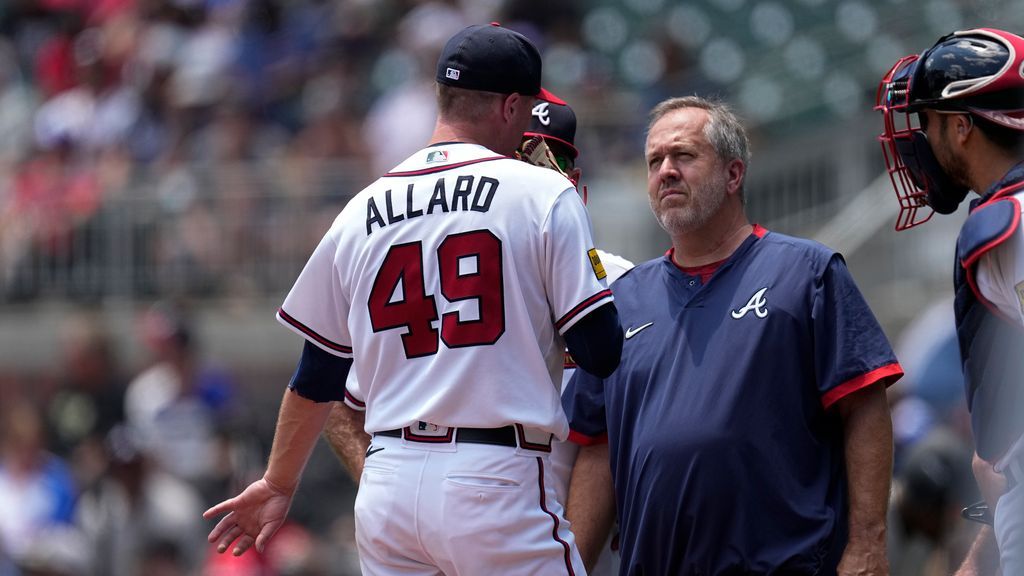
[{"x": 464, "y": 105}]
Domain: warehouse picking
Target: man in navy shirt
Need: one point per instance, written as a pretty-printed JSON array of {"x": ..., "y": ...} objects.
[{"x": 747, "y": 425}]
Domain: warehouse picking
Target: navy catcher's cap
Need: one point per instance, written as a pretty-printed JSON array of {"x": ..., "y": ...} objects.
[
  {"x": 492, "y": 59},
  {"x": 555, "y": 123}
]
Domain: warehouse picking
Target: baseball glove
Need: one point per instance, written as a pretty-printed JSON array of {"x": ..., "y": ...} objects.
[{"x": 536, "y": 151}]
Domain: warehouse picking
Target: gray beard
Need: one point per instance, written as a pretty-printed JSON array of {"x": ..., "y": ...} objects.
[{"x": 706, "y": 200}]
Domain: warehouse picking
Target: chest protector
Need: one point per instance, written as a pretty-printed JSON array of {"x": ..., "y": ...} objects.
[{"x": 991, "y": 345}]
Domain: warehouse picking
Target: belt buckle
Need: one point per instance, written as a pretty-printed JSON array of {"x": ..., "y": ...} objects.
[
  {"x": 531, "y": 439},
  {"x": 428, "y": 432}
]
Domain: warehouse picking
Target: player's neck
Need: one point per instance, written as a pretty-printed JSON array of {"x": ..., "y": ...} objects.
[
  {"x": 452, "y": 132},
  {"x": 988, "y": 167},
  {"x": 713, "y": 242}
]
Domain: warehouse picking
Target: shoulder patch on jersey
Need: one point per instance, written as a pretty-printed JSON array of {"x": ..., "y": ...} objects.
[
  {"x": 595, "y": 263},
  {"x": 987, "y": 227}
]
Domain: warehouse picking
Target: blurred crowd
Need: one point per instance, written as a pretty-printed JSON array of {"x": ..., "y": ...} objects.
[
  {"x": 211, "y": 120},
  {"x": 105, "y": 474}
]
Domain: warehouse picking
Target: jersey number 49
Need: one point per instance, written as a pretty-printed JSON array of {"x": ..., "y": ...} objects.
[{"x": 479, "y": 255}]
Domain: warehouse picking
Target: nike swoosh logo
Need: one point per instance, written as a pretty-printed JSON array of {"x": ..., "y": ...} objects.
[
  {"x": 372, "y": 451},
  {"x": 630, "y": 332}
]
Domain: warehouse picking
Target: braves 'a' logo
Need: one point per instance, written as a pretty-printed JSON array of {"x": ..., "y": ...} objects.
[
  {"x": 542, "y": 114},
  {"x": 757, "y": 304}
]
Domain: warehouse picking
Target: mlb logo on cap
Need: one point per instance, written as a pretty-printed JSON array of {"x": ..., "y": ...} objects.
[{"x": 452, "y": 73}]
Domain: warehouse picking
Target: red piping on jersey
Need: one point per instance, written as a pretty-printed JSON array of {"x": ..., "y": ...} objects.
[
  {"x": 1011, "y": 189},
  {"x": 443, "y": 168},
  {"x": 890, "y": 372},
  {"x": 969, "y": 263},
  {"x": 312, "y": 334},
  {"x": 708, "y": 270},
  {"x": 581, "y": 306},
  {"x": 705, "y": 272},
  {"x": 554, "y": 518},
  {"x": 985, "y": 302},
  {"x": 995, "y": 241},
  {"x": 356, "y": 403},
  {"x": 584, "y": 440}
]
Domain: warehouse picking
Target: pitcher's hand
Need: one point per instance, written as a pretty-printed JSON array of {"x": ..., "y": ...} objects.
[{"x": 253, "y": 517}]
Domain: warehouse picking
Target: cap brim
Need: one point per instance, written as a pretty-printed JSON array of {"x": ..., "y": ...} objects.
[
  {"x": 1013, "y": 119},
  {"x": 565, "y": 143},
  {"x": 549, "y": 97}
]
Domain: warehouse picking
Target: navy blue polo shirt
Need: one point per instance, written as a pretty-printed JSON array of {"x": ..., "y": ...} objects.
[{"x": 726, "y": 456}]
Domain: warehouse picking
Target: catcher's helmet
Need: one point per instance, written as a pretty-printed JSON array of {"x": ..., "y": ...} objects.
[{"x": 980, "y": 72}]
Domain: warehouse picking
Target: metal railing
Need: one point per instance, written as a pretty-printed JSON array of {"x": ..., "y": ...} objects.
[
  {"x": 247, "y": 230},
  {"x": 233, "y": 231}
]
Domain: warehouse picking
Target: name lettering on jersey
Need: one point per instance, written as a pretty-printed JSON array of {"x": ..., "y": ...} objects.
[
  {"x": 595, "y": 263},
  {"x": 468, "y": 193},
  {"x": 757, "y": 304}
]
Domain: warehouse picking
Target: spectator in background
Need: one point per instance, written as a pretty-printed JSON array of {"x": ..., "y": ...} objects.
[
  {"x": 36, "y": 488},
  {"x": 90, "y": 399},
  {"x": 926, "y": 535},
  {"x": 179, "y": 405},
  {"x": 135, "y": 507},
  {"x": 17, "y": 102},
  {"x": 59, "y": 550},
  {"x": 402, "y": 118}
]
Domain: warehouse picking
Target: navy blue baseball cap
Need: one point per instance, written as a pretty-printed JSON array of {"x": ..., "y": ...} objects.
[
  {"x": 492, "y": 59},
  {"x": 555, "y": 123}
]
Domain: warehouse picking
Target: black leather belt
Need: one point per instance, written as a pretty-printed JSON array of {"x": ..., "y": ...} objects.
[{"x": 505, "y": 436}]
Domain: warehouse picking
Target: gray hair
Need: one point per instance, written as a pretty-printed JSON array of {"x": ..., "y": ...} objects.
[{"x": 724, "y": 131}]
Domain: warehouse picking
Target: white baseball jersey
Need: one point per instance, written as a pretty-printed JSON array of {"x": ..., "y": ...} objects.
[{"x": 451, "y": 280}]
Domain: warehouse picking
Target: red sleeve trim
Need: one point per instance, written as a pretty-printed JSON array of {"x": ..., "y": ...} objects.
[
  {"x": 890, "y": 372},
  {"x": 584, "y": 440},
  {"x": 311, "y": 334},
  {"x": 582, "y": 306},
  {"x": 1012, "y": 189},
  {"x": 355, "y": 402}
]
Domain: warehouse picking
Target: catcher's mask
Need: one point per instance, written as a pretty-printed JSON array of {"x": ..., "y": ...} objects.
[{"x": 978, "y": 72}]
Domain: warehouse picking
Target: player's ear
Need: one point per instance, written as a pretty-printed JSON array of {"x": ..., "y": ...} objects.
[
  {"x": 964, "y": 124},
  {"x": 736, "y": 170},
  {"x": 510, "y": 105}
]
